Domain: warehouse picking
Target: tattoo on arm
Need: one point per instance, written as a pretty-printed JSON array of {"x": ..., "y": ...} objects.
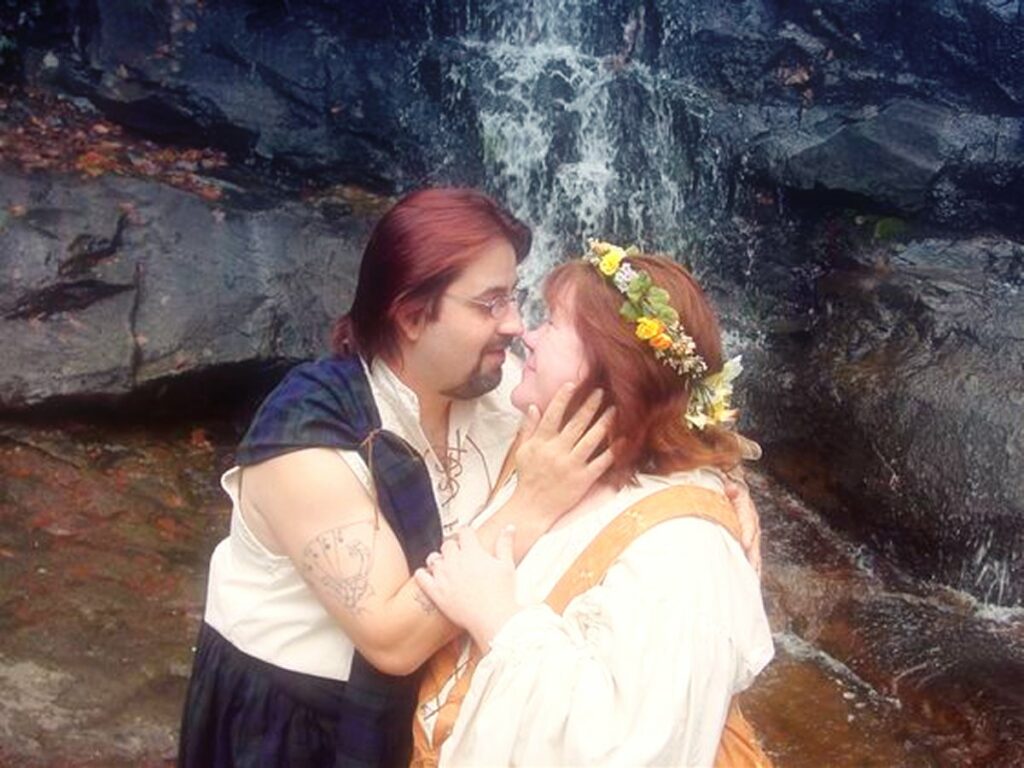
[
  {"x": 340, "y": 560},
  {"x": 424, "y": 602}
]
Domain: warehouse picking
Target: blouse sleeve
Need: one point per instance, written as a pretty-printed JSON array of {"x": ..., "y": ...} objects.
[{"x": 639, "y": 670}]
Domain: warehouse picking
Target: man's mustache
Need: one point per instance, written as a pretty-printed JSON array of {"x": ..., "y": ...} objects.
[{"x": 501, "y": 345}]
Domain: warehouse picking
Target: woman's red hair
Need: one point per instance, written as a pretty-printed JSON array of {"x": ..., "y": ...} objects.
[
  {"x": 650, "y": 433},
  {"x": 417, "y": 249}
]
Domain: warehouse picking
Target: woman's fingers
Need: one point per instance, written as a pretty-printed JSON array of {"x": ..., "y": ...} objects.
[
  {"x": 468, "y": 540},
  {"x": 450, "y": 546},
  {"x": 426, "y": 582}
]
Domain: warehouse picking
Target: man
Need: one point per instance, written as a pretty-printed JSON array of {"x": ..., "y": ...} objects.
[{"x": 353, "y": 469}]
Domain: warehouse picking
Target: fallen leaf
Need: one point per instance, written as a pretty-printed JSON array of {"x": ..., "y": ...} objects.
[{"x": 210, "y": 193}]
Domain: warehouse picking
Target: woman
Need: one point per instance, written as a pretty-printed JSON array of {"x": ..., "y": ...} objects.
[{"x": 629, "y": 627}]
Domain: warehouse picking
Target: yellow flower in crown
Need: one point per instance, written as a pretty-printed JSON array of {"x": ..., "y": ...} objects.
[
  {"x": 611, "y": 259},
  {"x": 661, "y": 341},
  {"x": 649, "y": 327}
]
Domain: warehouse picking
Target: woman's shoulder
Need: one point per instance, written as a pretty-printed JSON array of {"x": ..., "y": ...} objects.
[{"x": 708, "y": 478}]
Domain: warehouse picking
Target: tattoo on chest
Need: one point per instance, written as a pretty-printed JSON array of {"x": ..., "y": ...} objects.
[{"x": 340, "y": 560}]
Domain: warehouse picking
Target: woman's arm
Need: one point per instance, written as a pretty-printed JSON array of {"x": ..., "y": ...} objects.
[{"x": 639, "y": 670}]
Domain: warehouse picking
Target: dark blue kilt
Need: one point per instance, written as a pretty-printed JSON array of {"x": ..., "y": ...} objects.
[{"x": 241, "y": 711}]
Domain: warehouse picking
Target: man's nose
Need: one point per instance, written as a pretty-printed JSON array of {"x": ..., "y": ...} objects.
[{"x": 512, "y": 321}]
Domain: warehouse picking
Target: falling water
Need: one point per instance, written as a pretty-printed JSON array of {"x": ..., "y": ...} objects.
[{"x": 583, "y": 144}]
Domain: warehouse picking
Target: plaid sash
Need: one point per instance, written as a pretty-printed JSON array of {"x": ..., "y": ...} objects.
[{"x": 329, "y": 404}]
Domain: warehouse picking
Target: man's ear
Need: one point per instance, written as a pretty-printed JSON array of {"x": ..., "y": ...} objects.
[{"x": 411, "y": 322}]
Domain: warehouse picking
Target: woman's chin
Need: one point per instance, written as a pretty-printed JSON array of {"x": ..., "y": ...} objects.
[{"x": 521, "y": 399}]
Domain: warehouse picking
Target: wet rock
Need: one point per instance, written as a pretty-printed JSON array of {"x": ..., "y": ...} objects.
[
  {"x": 305, "y": 87},
  {"x": 382, "y": 94},
  {"x": 894, "y": 155},
  {"x": 908, "y": 407},
  {"x": 117, "y": 283},
  {"x": 103, "y": 557},
  {"x": 878, "y": 668},
  {"x": 105, "y": 535}
]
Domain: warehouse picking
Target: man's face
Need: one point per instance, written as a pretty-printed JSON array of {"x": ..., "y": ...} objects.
[{"x": 463, "y": 348}]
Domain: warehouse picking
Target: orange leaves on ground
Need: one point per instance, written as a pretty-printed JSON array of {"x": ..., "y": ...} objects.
[
  {"x": 199, "y": 439},
  {"x": 41, "y": 132},
  {"x": 95, "y": 164}
]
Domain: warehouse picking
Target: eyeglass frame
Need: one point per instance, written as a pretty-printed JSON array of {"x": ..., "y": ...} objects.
[{"x": 497, "y": 306}]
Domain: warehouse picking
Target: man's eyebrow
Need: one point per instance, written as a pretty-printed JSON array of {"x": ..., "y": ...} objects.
[{"x": 497, "y": 290}]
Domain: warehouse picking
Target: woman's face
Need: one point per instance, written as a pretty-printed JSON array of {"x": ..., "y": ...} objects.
[{"x": 554, "y": 356}]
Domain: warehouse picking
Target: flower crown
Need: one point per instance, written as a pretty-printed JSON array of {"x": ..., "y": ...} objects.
[{"x": 657, "y": 323}]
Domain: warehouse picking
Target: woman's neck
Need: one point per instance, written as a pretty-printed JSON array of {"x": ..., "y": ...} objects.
[{"x": 598, "y": 495}]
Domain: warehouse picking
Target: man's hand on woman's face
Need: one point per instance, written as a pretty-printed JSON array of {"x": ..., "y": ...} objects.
[{"x": 557, "y": 465}]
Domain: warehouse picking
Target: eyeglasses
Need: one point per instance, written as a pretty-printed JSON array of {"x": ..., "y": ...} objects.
[{"x": 496, "y": 306}]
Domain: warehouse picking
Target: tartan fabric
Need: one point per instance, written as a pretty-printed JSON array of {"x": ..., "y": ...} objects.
[
  {"x": 329, "y": 404},
  {"x": 241, "y": 711},
  {"x": 245, "y": 713}
]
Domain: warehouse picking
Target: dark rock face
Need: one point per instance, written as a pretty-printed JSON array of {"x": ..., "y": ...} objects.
[
  {"x": 315, "y": 89},
  {"x": 120, "y": 283},
  {"x": 917, "y": 369},
  {"x": 745, "y": 128}
]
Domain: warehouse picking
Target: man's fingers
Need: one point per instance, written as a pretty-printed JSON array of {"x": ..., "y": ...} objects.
[
  {"x": 601, "y": 463},
  {"x": 530, "y": 422},
  {"x": 746, "y": 513},
  {"x": 553, "y": 414},
  {"x": 597, "y": 432},
  {"x": 580, "y": 420},
  {"x": 504, "y": 546}
]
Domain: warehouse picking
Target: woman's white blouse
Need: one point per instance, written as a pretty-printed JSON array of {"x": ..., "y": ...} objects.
[{"x": 639, "y": 670}]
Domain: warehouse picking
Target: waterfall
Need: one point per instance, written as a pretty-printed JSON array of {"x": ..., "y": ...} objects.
[{"x": 582, "y": 144}]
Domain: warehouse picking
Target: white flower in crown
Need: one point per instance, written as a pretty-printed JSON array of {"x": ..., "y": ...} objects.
[{"x": 711, "y": 396}]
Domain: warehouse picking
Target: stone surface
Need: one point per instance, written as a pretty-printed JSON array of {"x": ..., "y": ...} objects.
[
  {"x": 738, "y": 132},
  {"x": 890, "y": 393},
  {"x": 118, "y": 283}
]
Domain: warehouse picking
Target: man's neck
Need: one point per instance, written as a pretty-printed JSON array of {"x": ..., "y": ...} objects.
[{"x": 434, "y": 407}]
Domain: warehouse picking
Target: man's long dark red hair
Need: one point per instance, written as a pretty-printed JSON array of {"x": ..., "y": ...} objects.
[
  {"x": 416, "y": 250},
  {"x": 649, "y": 433}
]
